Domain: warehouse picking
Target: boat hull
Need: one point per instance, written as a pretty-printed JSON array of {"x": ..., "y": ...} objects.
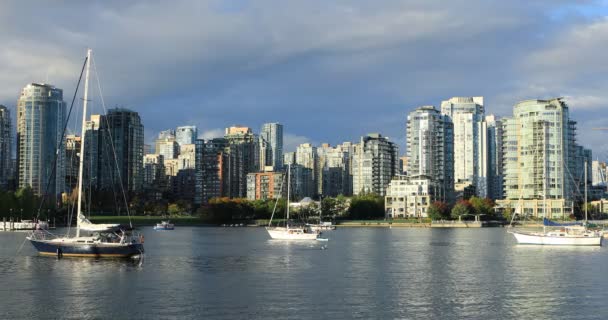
[
  {"x": 540, "y": 239},
  {"x": 94, "y": 250},
  {"x": 284, "y": 234},
  {"x": 163, "y": 228}
]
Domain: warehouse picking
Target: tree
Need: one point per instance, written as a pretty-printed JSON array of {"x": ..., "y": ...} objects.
[
  {"x": 367, "y": 206},
  {"x": 481, "y": 206},
  {"x": 462, "y": 208},
  {"x": 438, "y": 210},
  {"x": 173, "y": 209},
  {"x": 507, "y": 213}
]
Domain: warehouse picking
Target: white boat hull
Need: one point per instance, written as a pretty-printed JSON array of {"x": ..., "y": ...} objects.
[
  {"x": 290, "y": 234},
  {"x": 543, "y": 239}
]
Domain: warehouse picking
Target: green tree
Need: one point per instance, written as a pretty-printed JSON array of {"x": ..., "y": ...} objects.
[
  {"x": 482, "y": 206},
  {"x": 462, "y": 208},
  {"x": 173, "y": 209},
  {"x": 439, "y": 210},
  {"x": 367, "y": 206},
  {"x": 507, "y": 213}
]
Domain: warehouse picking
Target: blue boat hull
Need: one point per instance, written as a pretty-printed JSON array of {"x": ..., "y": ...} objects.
[{"x": 96, "y": 250}]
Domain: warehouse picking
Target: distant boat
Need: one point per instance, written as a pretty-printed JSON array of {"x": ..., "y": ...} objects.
[
  {"x": 322, "y": 226},
  {"x": 164, "y": 225},
  {"x": 23, "y": 225},
  {"x": 104, "y": 240},
  {"x": 289, "y": 232}
]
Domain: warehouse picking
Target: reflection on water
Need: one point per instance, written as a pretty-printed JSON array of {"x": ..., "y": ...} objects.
[{"x": 363, "y": 273}]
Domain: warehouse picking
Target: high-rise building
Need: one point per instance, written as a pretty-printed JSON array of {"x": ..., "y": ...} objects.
[
  {"x": 92, "y": 152},
  {"x": 495, "y": 168},
  {"x": 430, "y": 149},
  {"x": 154, "y": 172},
  {"x": 301, "y": 182},
  {"x": 40, "y": 121},
  {"x": 5, "y": 147},
  {"x": 210, "y": 170},
  {"x": 540, "y": 159},
  {"x": 289, "y": 158},
  {"x": 306, "y": 156},
  {"x": 242, "y": 159},
  {"x": 265, "y": 185},
  {"x": 598, "y": 173},
  {"x": 334, "y": 164},
  {"x": 166, "y": 145},
  {"x": 271, "y": 137},
  {"x": 375, "y": 163},
  {"x": 187, "y": 156},
  {"x": 470, "y": 132},
  {"x": 186, "y": 135},
  {"x": 72, "y": 160},
  {"x": 122, "y": 149}
]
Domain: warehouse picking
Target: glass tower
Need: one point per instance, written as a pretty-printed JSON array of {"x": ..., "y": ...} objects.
[{"x": 40, "y": 120}]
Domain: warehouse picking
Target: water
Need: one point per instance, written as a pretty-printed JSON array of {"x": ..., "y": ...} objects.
[{"x": 365, "y": 273}]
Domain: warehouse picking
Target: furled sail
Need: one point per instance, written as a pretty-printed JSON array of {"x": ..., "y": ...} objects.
[
  {"x": 549, "y": 223},
  {"x": 86, "y": 225}
]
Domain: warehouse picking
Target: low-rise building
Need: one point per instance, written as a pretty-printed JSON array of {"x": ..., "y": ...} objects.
[{"x": 409, "y": 196}]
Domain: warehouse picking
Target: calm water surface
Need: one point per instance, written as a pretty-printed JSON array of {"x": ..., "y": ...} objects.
[{"x": 365, "y": 273}]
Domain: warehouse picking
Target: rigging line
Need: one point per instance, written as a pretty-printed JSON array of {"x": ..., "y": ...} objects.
[
  {"x": 54, "y": 167},
  {"x": 276, "y": 202},
  {"x": 103, "y": 105},
  {"x": 72, "y": 156}
]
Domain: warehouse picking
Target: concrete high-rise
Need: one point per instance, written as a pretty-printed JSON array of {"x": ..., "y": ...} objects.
[
  {"x": 598, "y": 173},
  {"x": 306, "y": 156},
  {"x": 186, "y": 135},
  {"x": 40, "y": 121},
  {"x": 242, "y": 159},
  {"x": 271, "y": 137},
  {"x": 335, "y": 175},
  {"x": 5, "y": 147},
  {"x": 540, "y": 159},
  {"x": 430, "y": 149},
  {"x": 375, "y": 163},
  {"x": 166, "y": 145},
  {"x": 470, "y": 135}
]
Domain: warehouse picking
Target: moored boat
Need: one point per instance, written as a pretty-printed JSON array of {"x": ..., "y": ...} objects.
[
  {"x": 164, "y": 225},
  {"x": 101, "y": 240},
  {"x": 289, "y": 232}
]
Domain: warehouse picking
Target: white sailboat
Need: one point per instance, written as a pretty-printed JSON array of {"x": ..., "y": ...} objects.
[
  {"x": 289, "y": 232},
  {"x": 102, "y": 240},
  {"x": 572, "y": 234}
]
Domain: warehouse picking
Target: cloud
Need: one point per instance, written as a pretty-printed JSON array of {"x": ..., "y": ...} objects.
[
  {"x": 292, "y": 141},
  {"x": 330, "y": 71},
  {"x": 211, "y": 134}
]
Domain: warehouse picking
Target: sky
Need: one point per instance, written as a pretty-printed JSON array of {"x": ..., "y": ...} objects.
[{"x": 329, "y": 71}]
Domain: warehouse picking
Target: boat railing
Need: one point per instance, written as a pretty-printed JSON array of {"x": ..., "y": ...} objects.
[{"x": 41, "y": 234}]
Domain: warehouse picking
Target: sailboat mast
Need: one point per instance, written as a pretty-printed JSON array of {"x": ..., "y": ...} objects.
[
  {"x": 585, "y": 191},
  {"x": 82, "y": 133},
  {"x": 288, "y": 189}
]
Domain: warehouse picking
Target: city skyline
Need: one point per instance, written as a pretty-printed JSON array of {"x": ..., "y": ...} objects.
[{"x": 369, "y": 64}]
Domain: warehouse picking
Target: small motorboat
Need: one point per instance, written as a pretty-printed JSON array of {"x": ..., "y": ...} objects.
[{"x": 164, "y": 225}]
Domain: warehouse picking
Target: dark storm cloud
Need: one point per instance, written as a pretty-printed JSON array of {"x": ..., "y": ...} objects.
[{"x": 328, "y": 70}]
